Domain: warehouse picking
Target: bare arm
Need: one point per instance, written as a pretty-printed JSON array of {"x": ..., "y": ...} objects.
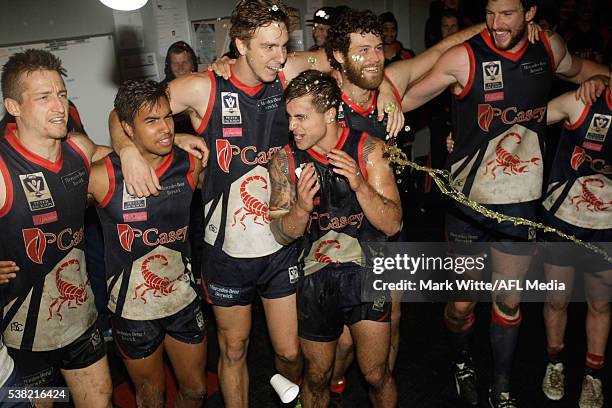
[
  {"x": 92, "y": 151},
  {"x": 557, "y": 108},
  {"x": 452, "y": 68},
  {"x": 378, "y": 196},
  {"x": 8, "y": 269},
  {"x": 570, "y": 67},
  {"x": 290, "y": 213},
  {"x": 98, "y": 182},
  {"x": 403, "y": 73},
  {"x": 302, "y": 60}
]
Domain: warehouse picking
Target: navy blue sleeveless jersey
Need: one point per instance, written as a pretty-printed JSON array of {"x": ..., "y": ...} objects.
[
  {"x": 351, "y": 115},
  {"x": 579, "y": 191},
  {"x": 499, "y": 122},
  {"x": 49, "y": 304},
  {"x": 337, "y": 223},
  {"x": 146, "y": 241},
  {"x": 244, "y": 126}
]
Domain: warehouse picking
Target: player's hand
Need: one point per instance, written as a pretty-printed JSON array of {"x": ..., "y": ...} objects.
[
  {"x": 139, "y": 177},
  {"x": 8, "y": 271},
  {"x": 591, "y": 89},
  {"x": 450, "y": 143},
  {"x": 193, "y": 145},
  {"x": 347, "y": 167},
  {"x": 387, "y": 103},
  {"x": 221, "y": 67},
  {"x": 307, "y": 187},
  {"x": 533, "y": 32}
]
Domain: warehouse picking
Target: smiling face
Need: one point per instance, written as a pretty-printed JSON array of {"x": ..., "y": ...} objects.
[
  {"x": 507, "y": 23},
  {"x": 364, "y": 62},
  {"x": 389, "y": 32},
  {"x": 153, "y": 129},
  {"x": 266, "y": 52},
  {"x": 181, "y": 64},
  {"x": 42, "y": 110}
]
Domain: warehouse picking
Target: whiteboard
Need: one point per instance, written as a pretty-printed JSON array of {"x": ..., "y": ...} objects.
[{"x": 91, "y": 66}]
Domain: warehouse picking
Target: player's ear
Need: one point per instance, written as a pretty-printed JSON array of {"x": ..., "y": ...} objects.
[
  {"x": 128, "y": 129},
  {"x": 242, "y": 46},
  {"x": 12, "y": 106},
  {"x": 339, "y": 56},
  {"x": 330, "y": 115}
]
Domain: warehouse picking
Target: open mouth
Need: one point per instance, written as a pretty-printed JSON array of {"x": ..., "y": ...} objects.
[
  {"x": 167, "y": 141},
  {"x": 274, "y": 68},
  {"x": 371, "y": 70},
  {"x": 501, "y": 36}
]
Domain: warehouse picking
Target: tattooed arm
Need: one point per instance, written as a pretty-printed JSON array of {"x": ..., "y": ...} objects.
[
  {"x": 378, "y": 195},
  {"x": 290, "y": 210}
]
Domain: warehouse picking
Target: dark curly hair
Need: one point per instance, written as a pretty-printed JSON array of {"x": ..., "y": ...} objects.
[
  {"x": 351, "y": 21},
  {"x": 133, "y": 96},
  {"x": 323, "y": 88},
  {"x": 25, "y": 63},
  {"x": 249, "y": 15}
]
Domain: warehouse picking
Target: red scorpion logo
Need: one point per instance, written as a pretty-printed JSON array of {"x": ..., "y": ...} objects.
[
  {"x": 593, "y": 203},
  {"x": 252, "y": 206},
  {"x": 74, "y": 295},
  {"x": 320, "y": 257},
  {"x": 159, "y": 286},
  {"x": 509, "y": 162}
]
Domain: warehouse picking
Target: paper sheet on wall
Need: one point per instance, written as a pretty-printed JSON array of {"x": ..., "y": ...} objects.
[
  {"x": 129, "y": 29},
  {"x": 138, "y": 67},
  {"x": 210, "y": 39},
  {"x": 171, "y": 22}
]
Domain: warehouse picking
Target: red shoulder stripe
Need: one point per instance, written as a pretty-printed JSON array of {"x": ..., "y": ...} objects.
[
  {"x": 110, "y": 171},
  {"x": 211, "y": 104},
  {"x": 8, "y": 185}
]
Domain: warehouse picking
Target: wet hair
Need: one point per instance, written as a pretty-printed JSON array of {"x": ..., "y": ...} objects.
[
  {"x": 323, "y": 88},
  {"x": 351, "y": 21},
  {"x": 134, "y": 96},
  {"x": 26, "y": 62},
  {"x": 249, "y": 15},
  {"x": 178, "y": 48}
]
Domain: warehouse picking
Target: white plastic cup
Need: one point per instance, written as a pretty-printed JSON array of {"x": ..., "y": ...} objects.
[{"x": 286, "y": 390}]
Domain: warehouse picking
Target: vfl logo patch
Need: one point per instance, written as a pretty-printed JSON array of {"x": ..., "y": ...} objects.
[
  {"x": 600, "y": 124},
  {"x": 492, "y": 75},
  {"x": 37, "y": 191},
  {"x": 230, "y": 109},
  {"x": 131, "y": 202},
  {"x": 379, "y": 304},
  {"x": 293, "y": 274}
]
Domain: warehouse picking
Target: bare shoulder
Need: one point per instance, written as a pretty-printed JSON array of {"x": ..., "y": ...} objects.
[
  {"x": 373, "y": 151},
  {"x": 190, "y": 90},
  {"x": 83, "y": 142},
  {"x": 98, "y": 180}
]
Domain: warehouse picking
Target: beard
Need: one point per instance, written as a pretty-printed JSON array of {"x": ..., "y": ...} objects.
[
  {"x": 353, "y": 71},
  {"x": 514, "y": 39}
]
